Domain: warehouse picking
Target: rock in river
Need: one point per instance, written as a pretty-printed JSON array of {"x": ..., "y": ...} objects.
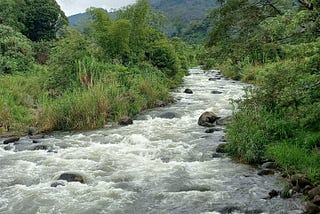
[
  {"x": 124, "y": 121},
  {"x": 208, "y": 119},
  {"x": 71, "y": 177},
  {"x": 188, "y": 91}
]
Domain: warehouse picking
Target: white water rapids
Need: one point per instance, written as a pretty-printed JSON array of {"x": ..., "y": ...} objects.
[{"x": 156, "y": 166}]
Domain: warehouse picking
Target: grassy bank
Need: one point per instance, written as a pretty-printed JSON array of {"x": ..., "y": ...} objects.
[{"x": 280, "y": 118}]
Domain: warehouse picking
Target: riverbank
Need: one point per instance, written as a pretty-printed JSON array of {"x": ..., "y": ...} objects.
[{"x": 279, "y": 121}]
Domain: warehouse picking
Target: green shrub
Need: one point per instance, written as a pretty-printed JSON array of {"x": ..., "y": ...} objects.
[{"x": 15, "y": 51}]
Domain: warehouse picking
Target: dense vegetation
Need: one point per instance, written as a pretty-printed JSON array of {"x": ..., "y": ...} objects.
[
  {"x": 56, "y": 78},
  {"x": 276, "y": 46}
]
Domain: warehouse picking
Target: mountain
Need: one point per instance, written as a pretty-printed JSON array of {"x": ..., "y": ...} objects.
[
  {"x": 185, "y": 18},
  {"x": 183, "y": 14}
]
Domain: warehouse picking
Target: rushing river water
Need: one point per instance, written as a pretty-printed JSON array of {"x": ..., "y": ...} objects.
[{"x": 156, "y": 165}]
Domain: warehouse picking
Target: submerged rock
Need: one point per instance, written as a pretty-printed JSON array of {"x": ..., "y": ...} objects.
[
  {"x": 72, "y": 177},
  {"x": 212, "y": 79},
  {"x": 168, "y": 115},
  {"x": 216, "y": 92},
  {"x": 11, "y": 140},
  {"x": 208, "y": 119},
  {"x": 265, "y": 172},
  {"x": 300, "y": 181},
  {"x": 269, "y": 165},
  {"x": 126, "y": 120},
  {"x": 273, "y": 193},
  {"x": 40, "y": 147},
  {"x": 57, "y": 183},
  {"x": 313, "y": 192},
  {"x": 224, "y": 121},
  {"x": 188, "y": 91},
  {"x": 211, "y": 130}
]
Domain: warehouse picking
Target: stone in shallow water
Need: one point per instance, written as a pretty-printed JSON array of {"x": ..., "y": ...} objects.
[
  {"x": 11, "y": 140},
  {"x": 216, "y": 92},
  {"x": 265, "y": 172},
  {"x": 71, "y": 177},
  {"x": 188, "y": 91},
  {"x": 57, "y": 183},
  {"x": 168, "y": 115},
  {"x": 207, "y": 119},
  {"x": 124, "y": 121}
]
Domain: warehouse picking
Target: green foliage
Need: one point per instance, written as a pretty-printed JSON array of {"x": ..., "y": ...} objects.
[
  {"x": 11, "y": 14},
  {"x": 43, "y": 19},
  {"x": 18, "y": 100},
  {"x": 36, "y": 19},
  {"x": 63, "y": 61},
  {"x": 163, "y": 56},
  {"x": 15, "y": 51},
  {"x": 119, "y": 68},
  {"x": 291, "y": 156}
]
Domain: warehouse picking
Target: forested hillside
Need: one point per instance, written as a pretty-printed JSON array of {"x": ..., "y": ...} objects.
[
  {"x": 56, "y": 78},
  {"x": 182, "y": 18},
  {"x": 276, "y": 46}
]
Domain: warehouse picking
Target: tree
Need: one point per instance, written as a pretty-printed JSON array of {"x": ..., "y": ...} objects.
[
  {"x": 43, "y": 19},
  {"x": 11, "y": 13}
]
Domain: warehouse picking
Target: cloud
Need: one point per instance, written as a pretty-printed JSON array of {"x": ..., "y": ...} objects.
[{"x": 71, "y": 7}]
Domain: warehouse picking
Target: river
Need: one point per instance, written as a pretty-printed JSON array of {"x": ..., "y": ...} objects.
[{"x": 157, "y": 165}]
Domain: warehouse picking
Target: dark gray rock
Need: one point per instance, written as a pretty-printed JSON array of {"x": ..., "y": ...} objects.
[
  {"x": 71, "y": 177},
  {"x": 306, "y": 189},
  {"x": 210, "y": 131},
  {"x": 287, "y": 192},
  {"x": 11, "y": 140},
  {"x": 57, "y": 183},
  {"x": 300, "y": 181},
  {"x": 224, "y": 121},
  {"x": 188, "y": 91},
  {"x": 160, "y": 103},
  {"x": 311, "y": 208},
  {"x": 217, "y": 155},
  {"x": 313, "y": 192},
  {"x": 208, "y": 119},
  {"x": 273, "y": 193},
  {"x": 265, "y": 172},
  {"x": 40, "y": 147},
  {"x": 316, "y": 200},
  {"x": 212, "y": 79},
  {"x": 126, "y": 120},
  {"x": 216, "y": 92},
  {"x": 32, "y": 131},
  {"x": 269, "y": 165}
]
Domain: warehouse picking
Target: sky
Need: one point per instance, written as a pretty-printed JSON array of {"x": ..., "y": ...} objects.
[{"x": 71, "y": 7}]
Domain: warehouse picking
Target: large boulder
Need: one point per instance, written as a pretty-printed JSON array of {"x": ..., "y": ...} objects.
[{"x": 208, "y": 119}]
